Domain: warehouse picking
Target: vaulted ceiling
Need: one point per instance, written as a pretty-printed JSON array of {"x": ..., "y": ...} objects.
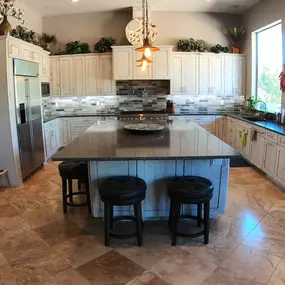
[{"x": 58, "y": 7}]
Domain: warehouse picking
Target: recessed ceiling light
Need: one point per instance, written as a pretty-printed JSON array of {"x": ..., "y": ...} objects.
[{"x": 74, "y": 1}]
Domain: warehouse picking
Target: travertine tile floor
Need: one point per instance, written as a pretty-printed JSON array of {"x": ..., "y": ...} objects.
[{"x": 39, "y": 245}]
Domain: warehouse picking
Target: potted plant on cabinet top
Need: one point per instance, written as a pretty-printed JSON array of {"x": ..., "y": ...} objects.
[
  {"x": 104, "y": 44},
  {"x": 237, "y": 36},
  {"x": 7, "y": 9},
  {"x": 47, "y": 39}
]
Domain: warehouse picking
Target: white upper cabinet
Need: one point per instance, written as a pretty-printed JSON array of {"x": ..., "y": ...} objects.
[
  {"x": 92, "y": 75},
  {"x": 123, "y": 63},
  {"x": 66, "y": 77},
  {"x": 44, "y": 67},
  {"x": 161, "y": 65},
  {"x": 54, "y": 76},
  {"x": 185, "y": 74},
  {"x": 78, "y": 72},
  {"x": 108, "y": 86},
  {"x": 235, "y": 69},
  {"x": 211, "y": 75}
]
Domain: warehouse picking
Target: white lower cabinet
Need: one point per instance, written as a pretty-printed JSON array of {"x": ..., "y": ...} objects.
[
  {"x": 257, "y": 151},
  {"x": 269, "y": 162},
  {"x": 65, "y": 131},
  {"x": 280, "y": 166},
  {"x": 52, "y": 140}
]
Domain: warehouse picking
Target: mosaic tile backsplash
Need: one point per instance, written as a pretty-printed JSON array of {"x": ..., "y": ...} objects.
[
  {"x": 141, "y": 87},
  {"x": 115, "y": 104}
]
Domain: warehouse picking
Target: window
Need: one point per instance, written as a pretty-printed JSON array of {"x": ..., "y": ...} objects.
[{"x": 269, "y": 66}]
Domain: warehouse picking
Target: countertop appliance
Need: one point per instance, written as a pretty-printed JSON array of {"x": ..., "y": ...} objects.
[
  {"x": 143, "y": 115},
  {"x": 45, "y": 89},
  {"x": 29, "y": 115}
]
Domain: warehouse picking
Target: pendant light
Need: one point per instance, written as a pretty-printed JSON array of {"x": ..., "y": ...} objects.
[{"x": 147, "y": 48}]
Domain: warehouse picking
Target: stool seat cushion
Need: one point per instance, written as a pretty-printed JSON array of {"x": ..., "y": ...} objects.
[
  {"x": 73, "y": 170},
  {"x": 123, "y": 190},
  {"x": 190, "y": 187}
]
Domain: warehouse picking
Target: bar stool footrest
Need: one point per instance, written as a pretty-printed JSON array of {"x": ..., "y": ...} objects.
[{"x": 121, "y": 236}]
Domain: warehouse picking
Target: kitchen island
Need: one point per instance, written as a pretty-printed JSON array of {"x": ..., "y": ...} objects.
[{"x": 182, "y": 149}]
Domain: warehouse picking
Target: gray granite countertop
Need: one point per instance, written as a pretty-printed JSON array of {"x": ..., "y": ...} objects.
[{"x": 107, "y": 140}]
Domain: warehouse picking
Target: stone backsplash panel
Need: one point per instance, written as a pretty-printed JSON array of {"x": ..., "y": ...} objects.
[{"x": 116, "y": 104}]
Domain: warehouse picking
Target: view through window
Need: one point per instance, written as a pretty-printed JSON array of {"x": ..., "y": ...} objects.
[{"x": 269, "y": 66}]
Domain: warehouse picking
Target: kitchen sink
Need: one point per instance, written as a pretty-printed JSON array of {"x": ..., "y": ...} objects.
[{"x": 254, "y": 119}]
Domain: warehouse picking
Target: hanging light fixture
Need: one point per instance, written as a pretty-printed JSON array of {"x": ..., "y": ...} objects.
[{"x": 147, "y": 48}]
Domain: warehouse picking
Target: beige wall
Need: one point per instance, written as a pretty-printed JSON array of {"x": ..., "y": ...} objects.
[
  {"x": 33, "y": 20},
  {"x": 88, "y": 27},
  {"x": 258, "y": 17},
  {"x": 173, "y": 26}
]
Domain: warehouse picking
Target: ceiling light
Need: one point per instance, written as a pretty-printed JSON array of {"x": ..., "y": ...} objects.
[{"x": 74, "y": 1}]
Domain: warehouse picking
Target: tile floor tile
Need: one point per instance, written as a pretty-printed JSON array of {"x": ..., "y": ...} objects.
[
  {"x": 59, "y": 231},
  {"x": 110, "y": 268},
  {"x": 268, "y": 235},
  {"x": 68, "y": 277},
  {"x": 183, "y": 269},
  {"x": 251, "y": 263},
  {"x": 278, "y": 277},
  {"x": 81, "y": 249},
  {"x": 148, "y": 278},
  {"x": 8, "y": 276},
  {"x": 41, "y": 217},
  {"x": 222, "y": 276},
  {"x": 3, "y": 260},
  {"x": 216, "y": 251},
  {"x": 7, "y": 211},
  {"x": 10, "y": 227}
]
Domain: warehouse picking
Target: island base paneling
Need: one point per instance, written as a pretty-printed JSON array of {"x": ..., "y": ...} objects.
[{"x": 156, "y": 174}]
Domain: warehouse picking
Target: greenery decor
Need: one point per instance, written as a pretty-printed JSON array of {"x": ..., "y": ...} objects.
[
  {"x": 47, "y": 39},
  {"x": 192, "y": 45},
  {"x": 75, "y": 48},
  {"x": 104, "y": 44},
  {"x": 7, "y": 9},
  {"x": 235, "y": 35},
  {"x": 219, "y": 49},
  {"x": 26, "y": 35},
  {"x": 251, "y": 104}
]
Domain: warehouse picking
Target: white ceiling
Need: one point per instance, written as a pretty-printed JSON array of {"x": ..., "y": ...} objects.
[{"x": 59, "y": 7}]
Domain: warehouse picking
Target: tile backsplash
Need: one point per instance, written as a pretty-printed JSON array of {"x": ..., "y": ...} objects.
[
  {"x": 141, "y": 87},
  {"x": 115, "y": 104}
]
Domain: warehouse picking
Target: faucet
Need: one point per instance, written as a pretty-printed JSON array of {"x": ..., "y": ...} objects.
[{"x": 265, "y": 106}]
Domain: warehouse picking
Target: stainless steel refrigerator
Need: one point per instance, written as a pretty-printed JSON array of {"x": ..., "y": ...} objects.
[{"x": 29, "y": 115}]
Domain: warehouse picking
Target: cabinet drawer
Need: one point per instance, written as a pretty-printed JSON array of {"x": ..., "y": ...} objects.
[
  {"x": 272, "y": 136},
  {"x": 15, "y": 51},
  {"x": 260, "y": 131},
  {"x": 50, "y": 124},
  {"x": 86, "y": 120},
  {"x": 281, "y": 140}
]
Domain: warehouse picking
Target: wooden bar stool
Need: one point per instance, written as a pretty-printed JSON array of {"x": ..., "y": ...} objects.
[
  {"x": 190, "y": 190},
  {"x": 122, "y": 191},
  {"x": 74, "y": 171}
]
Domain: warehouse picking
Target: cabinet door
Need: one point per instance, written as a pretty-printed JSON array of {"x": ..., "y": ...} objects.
[
  {"x": 177, "y": 81},
  {"x": 257, "y": 151},
  {"x": 229, "y": 75},
  {"x": 246, "y": 149},
  {"x": 44, "y": 67},
  {"x": 65, "y": 131},
  {"x": 55, "y": 76},
  {"x": 280, "y": 166},
  {"x": 51, "y": 142},
  {"x": 66, "y": 78},
  {"x": 161, "y": 66},
  {"x": 237, "y": 143},
  {"x": 93, "y": 75},
  {"x": 138, "y": 72},
  {"x": 190, "y": 74},
  {"x": 15, "y": 50},
  {"x": 205, "y": 75},
  {"x": 217, "y": 75},
  {"x": 269, "y": 163},
  {"x": 123, "y": 63},
  {"x": 78, "y": 71},
  {"x": 239, "y": 75},
  {"x": 108, "y": 85}
]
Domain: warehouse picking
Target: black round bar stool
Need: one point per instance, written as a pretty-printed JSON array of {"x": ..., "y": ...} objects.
[
  {"x": 74, "y": 171},
  {"x": 190, "y": 190},
  {"x": 122, "y": 191}
]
